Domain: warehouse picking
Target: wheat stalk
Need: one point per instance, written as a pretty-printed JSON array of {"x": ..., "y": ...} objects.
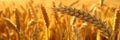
[{"x": 85, "y": 16}]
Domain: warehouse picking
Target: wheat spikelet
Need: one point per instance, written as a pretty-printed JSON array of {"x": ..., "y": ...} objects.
[{"x": 85, "y": 16}]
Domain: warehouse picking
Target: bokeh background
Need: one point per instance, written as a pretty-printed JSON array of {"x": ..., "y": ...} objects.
[{"x": 36, "y": 20}]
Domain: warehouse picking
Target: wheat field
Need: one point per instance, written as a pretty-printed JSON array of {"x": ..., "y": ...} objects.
[{"x": 59, "y": 20}]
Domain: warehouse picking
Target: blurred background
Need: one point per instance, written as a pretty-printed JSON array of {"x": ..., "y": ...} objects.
[{"x": 36, "y": 20}]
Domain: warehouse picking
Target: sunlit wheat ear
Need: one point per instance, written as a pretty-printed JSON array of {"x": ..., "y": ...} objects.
[
  {"x": 84, "y": 15},
  {"x": 11, "y": 25}
]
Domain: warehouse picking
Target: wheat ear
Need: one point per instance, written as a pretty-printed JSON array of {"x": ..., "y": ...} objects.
[
  {"x": 84, "y": 15},
  {"x": 11, "y": 25},
  {"x": 45, "y": 15},
  {"x": 116, "y": 25},
  {"x": 17, "y": 19}
]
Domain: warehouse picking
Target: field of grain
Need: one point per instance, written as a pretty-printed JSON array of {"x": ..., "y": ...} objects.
[{"x": 59, "y": 19}]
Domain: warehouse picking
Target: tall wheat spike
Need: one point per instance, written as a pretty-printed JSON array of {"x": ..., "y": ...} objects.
[
  {"x": 87, "y": 17},
  {"x": 45, "y": 15},
  {"x": 17, "y": 18},
  {"x": 116, "y": 25}
]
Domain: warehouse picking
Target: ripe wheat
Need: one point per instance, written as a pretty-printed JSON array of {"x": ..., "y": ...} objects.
[{"x": 84, "y": 15}]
